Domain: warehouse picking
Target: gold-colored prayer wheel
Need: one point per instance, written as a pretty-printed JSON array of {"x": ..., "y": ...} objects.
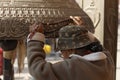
[{"x": 17, "y": 15}]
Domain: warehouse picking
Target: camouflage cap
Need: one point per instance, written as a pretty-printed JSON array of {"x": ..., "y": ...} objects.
[{"x": 72, "y": 37}]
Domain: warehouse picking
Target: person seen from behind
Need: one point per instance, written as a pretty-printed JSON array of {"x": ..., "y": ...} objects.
[{"x": 84, "y": 58}]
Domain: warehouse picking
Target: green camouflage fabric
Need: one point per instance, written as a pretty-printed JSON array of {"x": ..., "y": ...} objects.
[{"x": 72, "y": 37}]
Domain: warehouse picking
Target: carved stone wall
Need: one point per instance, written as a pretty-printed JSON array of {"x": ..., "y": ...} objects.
[{"x": 95, "y": 10}]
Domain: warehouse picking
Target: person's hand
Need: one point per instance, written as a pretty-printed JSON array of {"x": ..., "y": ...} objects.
[
  {"x": 77, "y": 20},
  {"x": 37, "y": 27}
]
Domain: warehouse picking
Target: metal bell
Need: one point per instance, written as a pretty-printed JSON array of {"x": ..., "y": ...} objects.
[{"x": 17, "y": 15}]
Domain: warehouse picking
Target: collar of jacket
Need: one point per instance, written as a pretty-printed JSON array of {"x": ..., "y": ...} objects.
[{"x": 96, "y": 56}]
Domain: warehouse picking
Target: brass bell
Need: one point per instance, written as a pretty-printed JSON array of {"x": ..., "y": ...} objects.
[{"x": 17, "y": 15}]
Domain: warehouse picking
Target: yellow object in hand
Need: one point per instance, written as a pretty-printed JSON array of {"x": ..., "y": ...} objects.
[{"x": 47, "y": 48}]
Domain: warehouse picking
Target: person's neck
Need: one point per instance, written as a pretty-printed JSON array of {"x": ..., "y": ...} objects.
[{"x": 83, "y": 52}]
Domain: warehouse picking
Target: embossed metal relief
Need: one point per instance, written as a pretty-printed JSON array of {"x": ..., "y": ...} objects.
[
  {"x": 47, "y": 11},
  {"x": 94, "y": 13},
  {"x": 89, "y": 6},
  {"x": 54, "y": 14},
  {"x": 95, "y": 10},
  {"x": 13, "y": 29}
]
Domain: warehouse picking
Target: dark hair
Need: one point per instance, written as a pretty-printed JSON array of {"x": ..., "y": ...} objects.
[{"x": 93, "y": 47}]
